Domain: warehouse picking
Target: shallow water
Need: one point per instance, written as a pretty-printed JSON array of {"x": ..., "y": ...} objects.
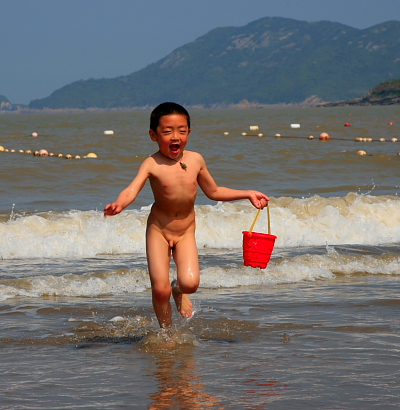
[{"x": 318, "y": 328}]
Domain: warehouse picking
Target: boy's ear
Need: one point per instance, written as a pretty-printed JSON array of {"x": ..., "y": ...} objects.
[{"x": 153, "y": 135}]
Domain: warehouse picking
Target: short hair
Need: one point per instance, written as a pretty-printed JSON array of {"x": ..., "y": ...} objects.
[{"x": 167, "y": 108}]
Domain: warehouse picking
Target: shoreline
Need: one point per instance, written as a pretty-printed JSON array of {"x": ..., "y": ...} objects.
[{"x": 313, "y": 101}]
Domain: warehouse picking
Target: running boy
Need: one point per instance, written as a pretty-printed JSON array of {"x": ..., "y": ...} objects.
[{"x": 174, "y": 176}]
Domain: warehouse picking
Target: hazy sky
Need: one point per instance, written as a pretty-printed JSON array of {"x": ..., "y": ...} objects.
[{"x": 46, "y": 44}]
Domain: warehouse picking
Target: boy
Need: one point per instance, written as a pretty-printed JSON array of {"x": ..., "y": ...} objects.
[{"x": 174, "y": 176}]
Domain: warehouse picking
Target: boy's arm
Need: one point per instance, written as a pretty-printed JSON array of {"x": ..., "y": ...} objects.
[
  {"x": 217, "y": 193},
  {"x": 129, "y": 194}
]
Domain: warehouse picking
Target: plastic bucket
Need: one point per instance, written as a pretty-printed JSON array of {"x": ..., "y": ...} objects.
[{"x": 257, "y": 249}]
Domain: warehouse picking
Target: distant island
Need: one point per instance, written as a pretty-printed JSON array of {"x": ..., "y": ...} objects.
[
  {"x": 4, "y": 103},
  {"x": 269, "y": 61},
  {"x": 266, "y": 62},
  {"x": 386, "y": 93}
]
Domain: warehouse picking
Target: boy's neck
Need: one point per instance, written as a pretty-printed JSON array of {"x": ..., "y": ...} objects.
[{"x": 182, "y": 164}]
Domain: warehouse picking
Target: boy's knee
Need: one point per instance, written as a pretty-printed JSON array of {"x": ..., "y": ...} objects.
[
  {"x": 188, "y": 286},
  {"x": 162, "y": 292}
]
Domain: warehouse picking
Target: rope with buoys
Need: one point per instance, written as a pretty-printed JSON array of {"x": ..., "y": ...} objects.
[
  {"x": 322, "y": 137},
  {"x": 45, "y": 153}
]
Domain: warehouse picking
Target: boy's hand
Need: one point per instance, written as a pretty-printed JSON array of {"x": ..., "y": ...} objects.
[
  {"x": 112, "y": 209},
  {"x": 258, "y": 199}
]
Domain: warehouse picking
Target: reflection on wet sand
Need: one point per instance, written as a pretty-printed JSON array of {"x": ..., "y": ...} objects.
[{"x": 179, "y": 385}]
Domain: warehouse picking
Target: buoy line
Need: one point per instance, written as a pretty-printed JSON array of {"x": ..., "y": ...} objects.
[
  {"x": 310, "y": 137},
  {"x": 45, "y": 153}
]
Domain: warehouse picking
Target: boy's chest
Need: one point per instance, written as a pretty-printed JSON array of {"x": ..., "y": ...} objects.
[{"x": 176, "y": 180}]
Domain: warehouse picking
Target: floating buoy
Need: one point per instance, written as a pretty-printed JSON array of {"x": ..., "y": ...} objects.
[
  {"x": 254, "y": 128},
  {"x": 77, "y": 157},
  {"x": 278, "y": 135},
  {"x": 12, "y": 150},
  {"x": 382, "y": 139},
  {"x": 91, "y": 155},
  {"x": 109, "y": 132},
  {"x": 294, "y": 125},
  {"x": 117, "y": 319},
  {"x": 51, "y": 154},
  {"x": 390, "y": 123},
  {"x": 35, "y": 134},
  {"x": 244, "y": 134},
  {"x": 361, "y": 152},
  {"x": 60, "y": 155},
  {"x": 394, "y": 139},
  {"x": 1, "y": 148},
  {"x": 226, "y": 133},
  {"x": 359, "y": 139},
  {"x": 21, "y": 151},
  {"x": 311, "y": 137},
  {"x": 28, "y": 151},
  {"x": 324, "y": 136},
  {"x": 260, "y": 135},
  {"x": 5, "y": 150},
  {"x": 347, "y": 124},
  {"x": 43, "y": 153},
  {"x": 68, "y": 156}
]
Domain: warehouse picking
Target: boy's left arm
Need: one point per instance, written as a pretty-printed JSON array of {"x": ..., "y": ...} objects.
[{"x": 217, "y": 193}]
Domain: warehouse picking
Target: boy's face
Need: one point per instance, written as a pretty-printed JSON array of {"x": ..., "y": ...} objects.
[{"x": 172, "y": 135}]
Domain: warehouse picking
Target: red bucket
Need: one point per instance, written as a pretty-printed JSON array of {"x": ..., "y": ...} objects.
[{"x": 257, "y": 249}]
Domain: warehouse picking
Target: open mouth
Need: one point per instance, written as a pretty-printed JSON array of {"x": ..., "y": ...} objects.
[{"x": 174, "y": 148}]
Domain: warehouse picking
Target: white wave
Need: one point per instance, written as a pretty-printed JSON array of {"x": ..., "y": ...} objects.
[
  {"x": 315, "y": 221},
  {"x": 303, "y": 268},
  {"x": 87, "y": 285}
]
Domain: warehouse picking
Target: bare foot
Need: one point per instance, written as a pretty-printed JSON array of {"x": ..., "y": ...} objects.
[{"x": 182, "y": 301}]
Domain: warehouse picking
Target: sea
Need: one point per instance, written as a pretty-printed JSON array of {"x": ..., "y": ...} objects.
[{"x": 318, "y": 328}]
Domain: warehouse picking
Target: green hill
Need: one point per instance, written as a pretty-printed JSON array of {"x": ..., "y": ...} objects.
[
  {"x": 387, "y": 89},
  {"x": 269, "y": 61},
  {"x": 386, "y": 93}
]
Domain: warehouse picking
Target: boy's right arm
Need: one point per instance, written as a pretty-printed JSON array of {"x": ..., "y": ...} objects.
[{"x": 129, "y": 194}]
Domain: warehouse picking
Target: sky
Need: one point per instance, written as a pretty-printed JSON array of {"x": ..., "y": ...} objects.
[{"x": 47, "y": 44}]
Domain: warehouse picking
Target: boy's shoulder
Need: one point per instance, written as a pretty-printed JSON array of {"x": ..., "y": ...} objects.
[{"x": 193, "y": 154}]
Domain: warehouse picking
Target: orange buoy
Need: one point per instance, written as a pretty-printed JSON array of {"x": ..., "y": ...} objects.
[{"x": 347, "y": 124}]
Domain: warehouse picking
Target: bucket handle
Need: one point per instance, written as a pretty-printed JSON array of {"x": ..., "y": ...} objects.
[{"x": 256, "y": 219}]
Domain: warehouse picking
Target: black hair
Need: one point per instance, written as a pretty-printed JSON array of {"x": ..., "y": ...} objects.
[{"x": 167, "y": 108}]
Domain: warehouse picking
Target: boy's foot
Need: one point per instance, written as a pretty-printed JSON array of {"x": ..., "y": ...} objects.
[{"x": 182, "y": 301}]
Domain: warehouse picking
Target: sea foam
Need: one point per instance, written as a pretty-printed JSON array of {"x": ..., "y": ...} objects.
[
  {"x": 281, "y": 270},
  {"x": 314, "y": 221}
]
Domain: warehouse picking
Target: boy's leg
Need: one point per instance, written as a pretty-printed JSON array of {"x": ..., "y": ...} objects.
[
  {"x": 188, "y": 278},
  {"x": 158, "y": 260}
]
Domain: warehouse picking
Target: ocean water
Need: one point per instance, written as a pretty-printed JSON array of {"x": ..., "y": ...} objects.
[{"x": 318, "y": 328}]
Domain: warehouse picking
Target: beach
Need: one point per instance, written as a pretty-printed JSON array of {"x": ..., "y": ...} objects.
[{"x": 318, "y": 328}]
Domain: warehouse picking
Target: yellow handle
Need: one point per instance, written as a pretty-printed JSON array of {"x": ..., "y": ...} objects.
[
  {"x": 254, "y": 222},
  {"x": 256, "y": 219}
]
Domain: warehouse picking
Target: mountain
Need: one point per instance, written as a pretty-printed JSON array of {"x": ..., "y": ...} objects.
[
  {"x": 5, "y": 105},
  {"x": 269, "y": 61},
  {"x": 386, "y": 93}
]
